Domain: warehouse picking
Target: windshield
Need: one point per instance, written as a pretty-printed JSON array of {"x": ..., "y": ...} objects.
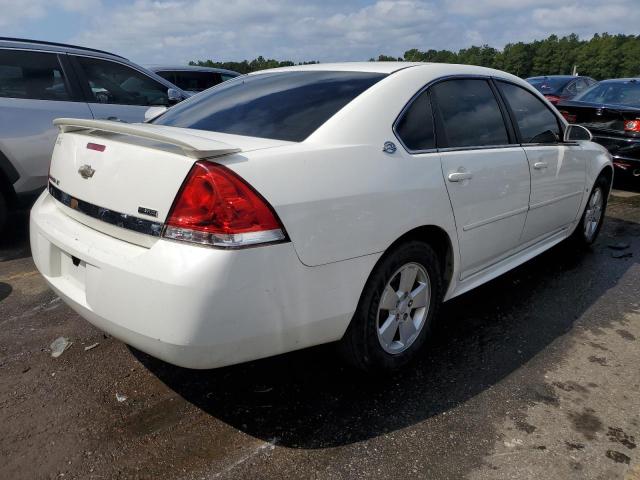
[
  {"x": 283, "y": 105},
  {"x": 548, "y": 84},
  {"x": 619, "y": 93}
]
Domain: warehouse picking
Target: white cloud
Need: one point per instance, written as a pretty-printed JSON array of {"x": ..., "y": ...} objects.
[
  {"x": 148, "y": 30},
  {"x": 26, "y": 10},
  {"x": 170, "y": 31},
  {"x": 486, "y": 7}
]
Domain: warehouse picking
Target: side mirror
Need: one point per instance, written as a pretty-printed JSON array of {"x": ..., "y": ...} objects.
[
  {"x": 153, "y": 112},
  {"x": 574, "y": 132},
  {"x": 174, "y": 96}
]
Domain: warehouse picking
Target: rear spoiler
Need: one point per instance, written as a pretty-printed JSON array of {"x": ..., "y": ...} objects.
[{"x": 192, "y": 145}]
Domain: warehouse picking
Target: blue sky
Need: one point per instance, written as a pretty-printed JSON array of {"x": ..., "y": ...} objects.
[{"x": 176, "y": 31}]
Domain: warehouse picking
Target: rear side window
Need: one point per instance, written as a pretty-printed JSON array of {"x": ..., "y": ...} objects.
[
  {"x": 283, "y": 106},
  {"x": 111, "y": 82},
  {"x": 537, "y": 124},
  {"x": 415, "y": 127},
  {"x": 31, "y": 75},
  {"x": 195, "y": 81},
  {"x": 470, "y": 114}
]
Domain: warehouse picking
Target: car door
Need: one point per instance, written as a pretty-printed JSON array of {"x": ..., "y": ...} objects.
[
  {"x": 557, "y": 169},
  {"x": 34, "y": 89},
  {"x": 118, "y": 91},
  {"x": 485, "y": 171}
]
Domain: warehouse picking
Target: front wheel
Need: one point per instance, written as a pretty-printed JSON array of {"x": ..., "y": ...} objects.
[
  {"x": 396, "y": 309},
  {"x": 591, "y": 222}
]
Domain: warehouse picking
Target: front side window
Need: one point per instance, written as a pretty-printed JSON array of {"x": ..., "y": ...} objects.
[
  {"x": 32, "y": 75},
  {"x": 415, "y": 128},
  {"x": 114, "y": 83},
  {"x": 470, "y": 114},
  {"x": 283, "y": 106},
  {"x": 536, "y": 122}
]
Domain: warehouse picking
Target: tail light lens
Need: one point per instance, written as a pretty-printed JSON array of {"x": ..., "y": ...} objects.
[
  {"x": 569, "y": 117},
  {"x": 553, "y": 98},
  {"x": 216, "y": 207},
  {"x": 632, "y": 125}
]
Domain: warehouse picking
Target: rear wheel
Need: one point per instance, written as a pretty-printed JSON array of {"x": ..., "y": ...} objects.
[
  {"x": 591, "y": 222},
  {"x": 396, "y": 310}
]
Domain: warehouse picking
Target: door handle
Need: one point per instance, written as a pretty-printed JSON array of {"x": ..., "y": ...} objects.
[
  {"x": 540, "y": 165},
  {"x": 459, "y": 176}
]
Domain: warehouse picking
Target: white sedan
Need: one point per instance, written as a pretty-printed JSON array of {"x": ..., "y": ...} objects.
[{"x": 311, "y": 204}]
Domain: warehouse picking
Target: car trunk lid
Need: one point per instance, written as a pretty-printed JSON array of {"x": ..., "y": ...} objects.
[
  {"x": 599, "y": 118},
  {"x": 122, "y": 179}
]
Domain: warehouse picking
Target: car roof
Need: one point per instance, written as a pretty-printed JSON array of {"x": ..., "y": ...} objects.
[
  {"x": 26, "y": 44},
  {"x": 621, "y": 80},
  {"x": 189, "y": 68},
  {"x": 558, "y": 77},
  {"x": 371, "y": 67},
  {"x": 437, "y": 69},
  {"x": 555, "y": 76}
]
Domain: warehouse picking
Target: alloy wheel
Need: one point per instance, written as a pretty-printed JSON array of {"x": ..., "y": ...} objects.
[
  {"x": 403, "y": 308},
  {"x": 593, "y": 214}
]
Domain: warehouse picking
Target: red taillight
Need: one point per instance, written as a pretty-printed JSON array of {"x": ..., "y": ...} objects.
[
  {"x": 632, "y": 125},
  {"x": 216, "y": 207},
  {"x": 569, "y": 117},
  {"x": 96, "y": 146},
  {"x": 553, "y": 98}
]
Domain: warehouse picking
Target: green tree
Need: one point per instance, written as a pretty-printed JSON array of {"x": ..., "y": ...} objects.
[{"x": 603, "y": 56}]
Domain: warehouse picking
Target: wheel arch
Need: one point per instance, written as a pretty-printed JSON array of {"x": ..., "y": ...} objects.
[
  {"x": 607, "y": 171},
  {"x": 439, "y": 240}
]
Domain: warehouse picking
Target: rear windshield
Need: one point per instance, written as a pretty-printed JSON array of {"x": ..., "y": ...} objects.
[
  {"x": 283, "y": 106},
  {"x": 548, "y": 85},
  {"x": 620, "y": 93}
]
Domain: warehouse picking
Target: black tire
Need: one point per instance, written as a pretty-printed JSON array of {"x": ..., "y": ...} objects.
[
  {"x": 579, "y": 235},
  {"x": 360, "y": 345},
  {"x": 4, "y": 212}
]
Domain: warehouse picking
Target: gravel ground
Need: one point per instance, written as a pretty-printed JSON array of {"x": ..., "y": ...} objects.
[{"x": 534, "y": 375}]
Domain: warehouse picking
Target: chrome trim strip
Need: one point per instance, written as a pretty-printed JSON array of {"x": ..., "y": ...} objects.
[
  {"x": 625, "y": 159},
  {"x": 630, "y": 140},
  {"x": 502, "y": 216},
  {"x": 106, "y": 215},
  {"x": 480, "y": 147},
  {"x": 554, "y": 200}
]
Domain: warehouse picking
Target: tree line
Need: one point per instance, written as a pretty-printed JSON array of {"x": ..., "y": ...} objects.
[
  {"x": 602, "y": 56},
  {"x": 246, "y": 66}
]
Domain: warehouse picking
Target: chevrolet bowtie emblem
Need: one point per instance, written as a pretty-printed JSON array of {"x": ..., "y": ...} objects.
[{"x": 86, "y": 171}]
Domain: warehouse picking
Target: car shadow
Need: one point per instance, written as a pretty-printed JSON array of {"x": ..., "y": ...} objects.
[
  {"x": 14, "y": 241},
  {"x": 307, "y": 399}
]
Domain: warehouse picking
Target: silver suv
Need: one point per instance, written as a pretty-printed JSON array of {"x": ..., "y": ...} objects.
[{"x": 40, "y": 81}]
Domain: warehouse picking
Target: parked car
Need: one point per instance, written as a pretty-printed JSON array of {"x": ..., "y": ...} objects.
[
  {"x": 40, "y": 81},
  {"x": 611, "y": 110},
  {"x": 311, "y": 204},
  {"x": 194, "y": 79},
  {"x": 560, "y": 87}
]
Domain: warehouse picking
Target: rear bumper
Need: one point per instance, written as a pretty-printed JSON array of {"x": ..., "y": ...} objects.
[
  {"x": 625, "y": 151},
  {"x": 194, "y": 306}
]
